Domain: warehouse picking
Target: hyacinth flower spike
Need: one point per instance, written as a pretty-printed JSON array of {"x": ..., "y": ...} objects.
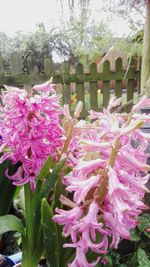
[{"x": 107, "y": 183}]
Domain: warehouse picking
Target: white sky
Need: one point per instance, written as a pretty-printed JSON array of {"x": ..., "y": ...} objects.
[{"x": 23, "y": 15}]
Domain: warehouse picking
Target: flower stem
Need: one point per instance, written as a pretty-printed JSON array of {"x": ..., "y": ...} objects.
[
  {"x": 31, "y": 254},
  {"x": 103, "y": 189}
]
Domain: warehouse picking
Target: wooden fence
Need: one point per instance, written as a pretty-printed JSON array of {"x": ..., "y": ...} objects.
[{"x": 74, "y": 83}]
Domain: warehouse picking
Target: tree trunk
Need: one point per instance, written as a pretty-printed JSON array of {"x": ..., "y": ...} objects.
[{"x": 145, "y": 71}]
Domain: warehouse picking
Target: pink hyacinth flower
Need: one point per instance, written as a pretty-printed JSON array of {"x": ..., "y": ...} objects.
[
  {"x": 44, "y": 87},
  {"x": 30, "y": 131},
  {"x": 81, "y": 261},
  {"x": 82, "y": 187},
  {"x": 68, "y": 218}
]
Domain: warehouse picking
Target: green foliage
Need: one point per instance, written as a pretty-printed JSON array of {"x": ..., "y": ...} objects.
[
  {"x": 11, "y": 223},
  {"x": 80, "y": 40},
  {"x": 58, "y": 191},
  {"x": 134, "y": 253},
  {"x": 37, "y": 228},
  {"x": 142, "y": 258},
  {"x": 45, "y": 169},
  {"x": 130, "y": 46},
  {"x": 51, "y": 179},
  {"x": 50, "y": 235}
]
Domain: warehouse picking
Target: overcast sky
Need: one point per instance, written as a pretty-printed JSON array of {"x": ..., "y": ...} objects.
[{"x": 23, "y": 15}]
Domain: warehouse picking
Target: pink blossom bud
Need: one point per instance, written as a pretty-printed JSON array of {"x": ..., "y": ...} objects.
[{"x": 78, "y": 109}]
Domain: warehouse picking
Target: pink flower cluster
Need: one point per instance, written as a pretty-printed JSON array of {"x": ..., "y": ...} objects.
[
  {"x": 107, "y": 183},
  {"x": 30, "y": 129}
]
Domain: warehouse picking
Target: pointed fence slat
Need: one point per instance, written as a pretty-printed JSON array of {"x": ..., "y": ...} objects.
[
  {"x": 118, "y": 82},
  {"x": 66, "y": 87},
  {"x": 80, "y": 90},
  {"x": 93, "y": 89},
  {"x": 79, "y": 79},
  {"x": 130, "y": 87},
  {"x": 106, "y": 84}
]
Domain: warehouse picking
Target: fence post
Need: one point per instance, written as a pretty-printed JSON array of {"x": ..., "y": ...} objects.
[
  {"x": 130, "y": 85},
  {"x": 80, "y": 90},
  {"x": 66, "y": 87},
  {"x": 106, "y": 84},
  {"x": 93, "y": 88},
  {"x": 118, "y": 83}
]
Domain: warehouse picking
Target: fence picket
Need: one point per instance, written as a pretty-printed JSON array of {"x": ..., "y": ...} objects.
[
  {"x": 66, "y": 87},
  {"x": 118, "y": 82},
  {"x": 93, "y": 89},
  {"x": 75, "y": 80},
  {"x": 80, "y": 90},
  {"x": 106, "y": 84},
  {"x": 130, "y": 86}
]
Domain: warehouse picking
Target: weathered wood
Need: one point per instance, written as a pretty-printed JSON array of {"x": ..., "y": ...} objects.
[
  {"x": 93, "y": 89},
  {"x": 66, "y": 94},
  {"x": 130, "y": 93},
  {"x": 130, "y": 86},
  {"x": 118, "y": 83},
  {"x": 66, "y": 87},
  {"x": 80, "y": 90},
  {"x": 69, "y": 78},
  {"x": 65, "y": 78},
  {"x": 106, "y": 84},
  {"x": 130, "y": 90}
]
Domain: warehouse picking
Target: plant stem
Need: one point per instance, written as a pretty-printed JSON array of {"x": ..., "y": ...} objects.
[
  {"x": 103, "y": 189},
  {"x": 28, "y": 211},
  {"x": 30, "y": 244}
]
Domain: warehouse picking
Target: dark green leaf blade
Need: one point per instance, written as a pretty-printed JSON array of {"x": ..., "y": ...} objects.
[
  {"x": 52, "y": 178},
  {"x": 50, "y": 235},
  {"x": 45, "y": 169},
  {"x": 58, "y": 191}
]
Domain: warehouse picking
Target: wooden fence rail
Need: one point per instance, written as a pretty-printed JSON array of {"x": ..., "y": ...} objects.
[{"x": 75, "y": 84}]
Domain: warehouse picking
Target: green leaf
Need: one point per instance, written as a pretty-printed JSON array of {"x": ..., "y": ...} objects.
[
  {"x": 52, "y": 178},
  {"x": 58, "y": 191},
  {"x": 33, "y": 215},
  {"x": 142, "y": 258},
  {"x": 36, "y": 207},
  {"x": 50, "y": 235},
  {"x": 70, "y": 253},
  {"x": 11, "y": 223},
  {"x": 45, "y": 169},
  {"x": 135, "y": 235},
  {"x": 144, "y": 222}
]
